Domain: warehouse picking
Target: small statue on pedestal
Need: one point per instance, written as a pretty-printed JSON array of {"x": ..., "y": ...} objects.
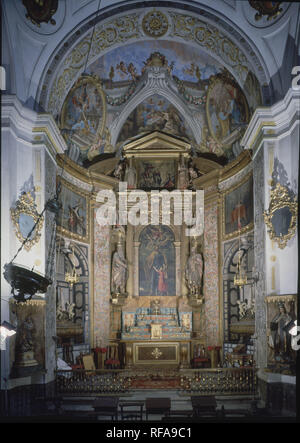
[
  {"x": 183, "y": 175},
  {"x": 194, "y": 271},
  {"x": 130, "y": 175},
  {"x": 25, "y": 345},
  {"x": 119, "y": 170},
  {"x": 119, "y": 272}
]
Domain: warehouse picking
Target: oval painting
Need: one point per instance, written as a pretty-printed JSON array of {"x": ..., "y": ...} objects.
[
  {"x": 226, "y": 109},
  {"x": 83, "y": 114}
]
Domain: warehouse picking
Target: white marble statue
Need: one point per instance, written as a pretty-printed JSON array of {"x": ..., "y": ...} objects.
[
  {"x": 119, "y": 271},
  {"x": 130, "y": 176},
  {"x": 194, "y": 271}
]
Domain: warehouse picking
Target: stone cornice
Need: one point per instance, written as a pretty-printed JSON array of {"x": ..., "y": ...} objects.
[
  {"x": 30, "y": 126},
  {"x": 268, "y": 123}
]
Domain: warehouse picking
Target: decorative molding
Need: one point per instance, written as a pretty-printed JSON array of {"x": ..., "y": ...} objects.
[
  {"x": 155, "y": 24},
  {"x": 113, "y": 32},
  {"x": 269, "y": 123},
  {"x": 156, "y": 81},
  {"x": 31, "y": 127}
]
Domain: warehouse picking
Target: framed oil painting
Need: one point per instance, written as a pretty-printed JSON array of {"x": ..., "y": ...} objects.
[
  {"x": 157, "y": 261},
  {"x": 83, "y": 114},
  {"x": 226, "y": 108},
  {"x": 238, "y": 208},
  {"x": 156, "y": 174},
  {"x": 74, "y": 214}
]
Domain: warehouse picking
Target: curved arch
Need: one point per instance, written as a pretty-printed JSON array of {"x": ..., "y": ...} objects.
[
  {"x": 175, "y": 229},
  {"x": 208, "y": 16},
  {"x": 142, "y": 95},
  {"x": 232, "y": 251}
]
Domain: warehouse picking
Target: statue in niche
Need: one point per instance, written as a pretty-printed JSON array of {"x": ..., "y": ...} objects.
[
  {"x": 130, "y": 175},
  {"x": 279, "y": 338},
  {"x": 119, "y": 271},
  {"x": 194, "y": 271},
  {"x": 183, "y": 175},
  {"x": 119, "y": 170},
  {"x": 193, "y": 174}
]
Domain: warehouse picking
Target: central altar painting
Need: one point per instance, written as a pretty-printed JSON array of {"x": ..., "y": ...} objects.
[{"x": 157, "y": 261}]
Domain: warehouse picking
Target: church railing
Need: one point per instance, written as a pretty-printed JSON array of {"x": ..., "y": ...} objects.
[
  {"x": 78, "y": 381},
  {"x": 219, "y": 381}
]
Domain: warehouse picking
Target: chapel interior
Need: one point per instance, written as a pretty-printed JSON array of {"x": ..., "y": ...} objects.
[{"x": 142, "y": 112}]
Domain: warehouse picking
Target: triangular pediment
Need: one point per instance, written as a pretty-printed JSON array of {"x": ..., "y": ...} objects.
[{"x": 157, "y": 143}]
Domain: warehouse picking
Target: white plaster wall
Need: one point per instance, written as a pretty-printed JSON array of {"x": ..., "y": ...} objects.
[
  {"x": 22, "y": 155},
  {"x": 285, "y": 261}
]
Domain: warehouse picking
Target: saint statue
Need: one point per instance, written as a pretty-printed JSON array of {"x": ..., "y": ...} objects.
[
  {"x": 118, "y": 171},
  {"x": 194, "y": 271},
  {"x": 279, "y": 339},
  {"x": 119, "y": 271},
  {"x": 130, "y": 176},
  {"x": 183, "y": 175}
]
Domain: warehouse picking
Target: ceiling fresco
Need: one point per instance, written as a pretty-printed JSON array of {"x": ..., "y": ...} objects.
[
  {"x": 195, "y": 98},
  {"x": 128, "y": 62}
]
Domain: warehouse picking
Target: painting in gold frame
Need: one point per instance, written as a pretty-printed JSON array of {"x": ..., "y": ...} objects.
[
  {"x": 73, "y": 218},
  {"x": 237, "y": 208}
]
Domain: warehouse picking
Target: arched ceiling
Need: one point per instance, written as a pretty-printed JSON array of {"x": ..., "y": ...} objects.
[
  {"x": 220, "y": 61},
  {"x": 227, "y": 45}
]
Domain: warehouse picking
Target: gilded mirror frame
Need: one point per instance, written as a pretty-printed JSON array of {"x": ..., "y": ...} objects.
[
  {"x": 280, "y": 198},
  {"x": 26, "y": 205}
]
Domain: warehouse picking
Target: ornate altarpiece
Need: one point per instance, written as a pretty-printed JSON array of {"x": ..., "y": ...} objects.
[{"x": 161, "y": 334}]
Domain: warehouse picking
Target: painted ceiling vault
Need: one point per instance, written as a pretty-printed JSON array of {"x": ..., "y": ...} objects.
[
  {"x": 160, "y": 85},
  {"x": 196, "y": 70}
]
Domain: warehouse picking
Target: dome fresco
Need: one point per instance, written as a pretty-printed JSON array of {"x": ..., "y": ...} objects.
[
  {"x": 129, "y": 61},
  {"x": 197, "y": 99}
]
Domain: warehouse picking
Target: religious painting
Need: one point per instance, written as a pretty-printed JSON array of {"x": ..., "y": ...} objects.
[
  {"x": 156, "y": 174},
  {"x": 226, "y": 109},
  {"x": 155, "y": 114},
  {"x": 83, "y": 115},
  {"x": 73, "y": 215},
  {"x": 238, "y": 208},
  {"x": 127, "y": 63},
  {"x": 157, "y": 261}
]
